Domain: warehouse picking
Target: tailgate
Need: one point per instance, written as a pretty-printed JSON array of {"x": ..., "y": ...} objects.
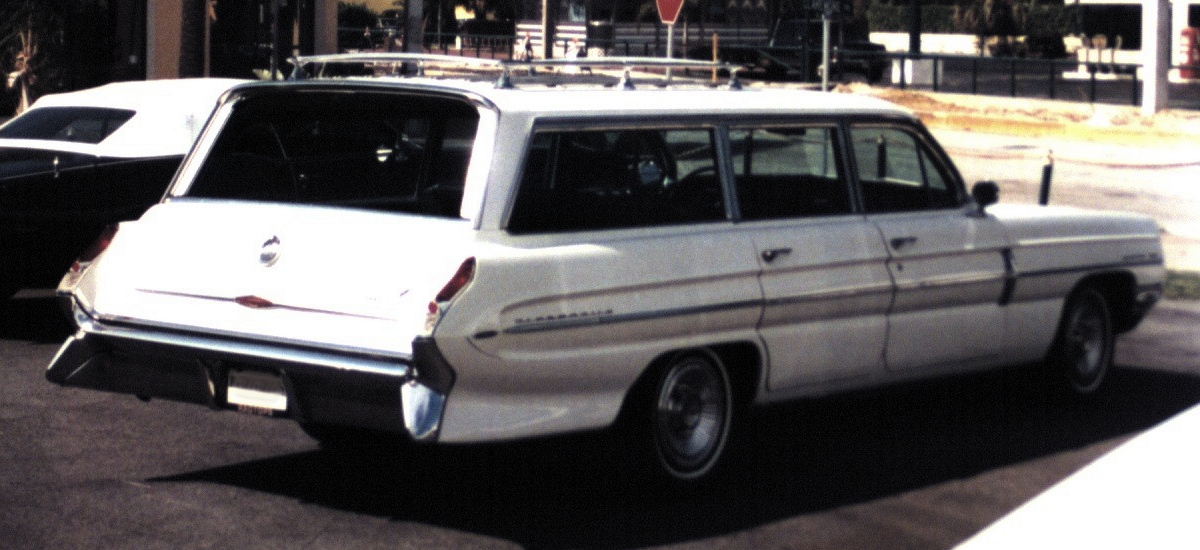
[{"x": 334, "y": 278}]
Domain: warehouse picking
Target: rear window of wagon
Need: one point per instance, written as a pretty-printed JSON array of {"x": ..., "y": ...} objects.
[{"x": 379, "y": 151}]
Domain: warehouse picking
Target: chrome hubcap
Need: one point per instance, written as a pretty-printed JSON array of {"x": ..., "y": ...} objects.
[
  {"x": 1087, "y": 341},
  {"x": 691, "y": 416}
]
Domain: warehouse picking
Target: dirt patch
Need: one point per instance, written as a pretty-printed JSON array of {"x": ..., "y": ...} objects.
[{"x": 1024, "y": 116}]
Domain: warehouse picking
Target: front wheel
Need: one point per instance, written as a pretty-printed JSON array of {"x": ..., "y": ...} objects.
[
  {"x": 1083, "y": 351},
  {"x": 690, "y": 416}
]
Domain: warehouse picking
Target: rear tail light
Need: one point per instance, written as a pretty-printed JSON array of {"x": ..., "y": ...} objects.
[
  {"x": 460, "y": 280},
  {"x": 95, "y": 249}
]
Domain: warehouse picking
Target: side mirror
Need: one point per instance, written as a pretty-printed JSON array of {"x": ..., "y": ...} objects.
[{"x": 985, "y": 193}]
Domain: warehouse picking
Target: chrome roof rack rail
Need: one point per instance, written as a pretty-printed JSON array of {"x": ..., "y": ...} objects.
[
  {"x": 619, "y": 71},
  {"x": 394, "y": 63}
]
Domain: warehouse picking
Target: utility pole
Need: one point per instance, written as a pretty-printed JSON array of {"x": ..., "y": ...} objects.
[
  {"x": 414, "y": 29},
  {"x": 914, "y": 27},
  {"x": 1156, "y": 55},
  {"x": 826, "y": 12},
  {"x": 548, "y": 16}
]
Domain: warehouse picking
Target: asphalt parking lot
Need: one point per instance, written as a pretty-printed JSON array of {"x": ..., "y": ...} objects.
[{"x": 921, "y": 466}]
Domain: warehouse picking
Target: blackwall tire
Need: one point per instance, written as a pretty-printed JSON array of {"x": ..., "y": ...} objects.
[
  {"x": 690, "y": 416},
  {"x": 1083, "y": 350}
]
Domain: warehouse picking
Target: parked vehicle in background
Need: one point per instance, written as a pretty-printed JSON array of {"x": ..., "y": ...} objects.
[
  {"x": 497, "y": 256},
  {"x": 795, "y": 50},
  {"x": 76, "y": 162}
]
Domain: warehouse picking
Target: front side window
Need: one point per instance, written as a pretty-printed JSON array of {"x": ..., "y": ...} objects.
[
  {"x": 898, "y": 173},
  {"x": 375, "y": 151},
  {"x": 73, "y": 124},
  {"x": 576, "y": 180},
  {"x": 788, "y": 172}
]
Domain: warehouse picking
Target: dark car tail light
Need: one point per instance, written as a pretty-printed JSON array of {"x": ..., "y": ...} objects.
[
  {"x": 460, "y": 280},
  {"x": 95, "y": 249}
]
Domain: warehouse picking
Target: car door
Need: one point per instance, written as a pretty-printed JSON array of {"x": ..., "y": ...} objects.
[
  {"x": 618, "y": 246},
  {"x": 824, "y": 277},
  {"x": 949, "y": 262}
]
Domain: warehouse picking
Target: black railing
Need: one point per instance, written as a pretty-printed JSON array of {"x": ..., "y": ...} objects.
[
  {"x": 1063, "y": 79},
  {"x": 1019, "y": 77}
]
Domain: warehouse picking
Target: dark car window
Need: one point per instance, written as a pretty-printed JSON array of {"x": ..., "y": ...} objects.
[
  {"x": 898, "y": 172},
  {"x": 390, "y": 152},
  {"x": 788, "y": 172},
  {"x": 614, "y": 179},
  {"x": 76, "y": 124}
]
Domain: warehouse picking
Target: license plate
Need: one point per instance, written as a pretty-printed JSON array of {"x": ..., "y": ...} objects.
[{"x": 256, "y": 392}]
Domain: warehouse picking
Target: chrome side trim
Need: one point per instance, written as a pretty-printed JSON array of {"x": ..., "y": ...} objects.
[
  {"x": 832, "y": 294},
  {"x": 1151, "y": 262},
  {"x": 595, "y": 320},
  {"x": 575, "y": 321},
  {"x": 951, "y": 281},
  {"x": 1081, "y": 239}
]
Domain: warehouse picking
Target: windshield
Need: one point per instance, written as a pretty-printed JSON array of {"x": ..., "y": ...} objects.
[{"x": 74, "y": 124}]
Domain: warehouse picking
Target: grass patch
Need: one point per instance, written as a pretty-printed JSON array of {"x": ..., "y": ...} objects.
[{"x": 1183, "y": 285}]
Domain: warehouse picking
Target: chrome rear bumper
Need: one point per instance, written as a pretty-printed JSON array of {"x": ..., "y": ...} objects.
[{"x": 333, "y": 388}]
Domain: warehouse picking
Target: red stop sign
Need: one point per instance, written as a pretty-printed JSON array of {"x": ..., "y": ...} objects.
[{"x": 668, "y": 10}]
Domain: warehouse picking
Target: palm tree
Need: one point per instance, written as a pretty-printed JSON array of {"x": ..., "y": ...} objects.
[
  {"x": 26, "y": 39},
  {"x": 51, "y": 46}
]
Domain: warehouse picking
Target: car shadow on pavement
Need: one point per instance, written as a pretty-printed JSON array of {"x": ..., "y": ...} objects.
[
  {"x": 816, "y": 455},
  {"x": 37, "y": 319}
]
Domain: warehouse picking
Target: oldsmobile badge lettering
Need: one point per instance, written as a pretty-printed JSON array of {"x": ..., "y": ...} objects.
[{"x": 563, "y": 316}]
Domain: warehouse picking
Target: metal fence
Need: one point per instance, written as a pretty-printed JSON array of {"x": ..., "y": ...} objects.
[{"x": 1061, "y": 79}]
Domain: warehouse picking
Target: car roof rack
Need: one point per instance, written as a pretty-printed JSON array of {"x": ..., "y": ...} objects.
[{"x": 510, "y": 73}]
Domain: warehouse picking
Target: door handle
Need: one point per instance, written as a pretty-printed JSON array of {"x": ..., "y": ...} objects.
[
  {"x": 901, "y": 242},
  {"x": 770, "y": 254}
]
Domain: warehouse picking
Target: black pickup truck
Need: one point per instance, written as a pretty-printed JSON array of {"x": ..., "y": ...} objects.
[{"x": 794, "y": 51}]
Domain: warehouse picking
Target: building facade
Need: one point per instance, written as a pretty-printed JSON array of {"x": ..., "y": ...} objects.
[{"x": 233, "y": 38}]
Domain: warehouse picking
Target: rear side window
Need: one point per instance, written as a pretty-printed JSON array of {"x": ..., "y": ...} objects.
[
  {"x": 617, "y": 179},
  {"x": 788, "y": 172},
  {"x": 377, "y": 151},
  {"x": 73, "y": 124}
]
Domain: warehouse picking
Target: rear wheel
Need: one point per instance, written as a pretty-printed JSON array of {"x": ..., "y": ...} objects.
[
  {"x": 1083, "y": 351},
  {"x": 690, "y": 415}
]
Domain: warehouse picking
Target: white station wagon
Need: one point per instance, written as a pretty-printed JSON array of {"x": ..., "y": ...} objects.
[{"x": 457, "y": 258}]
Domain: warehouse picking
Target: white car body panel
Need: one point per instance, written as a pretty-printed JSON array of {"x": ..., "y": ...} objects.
[{"x": 324, "y": 248}]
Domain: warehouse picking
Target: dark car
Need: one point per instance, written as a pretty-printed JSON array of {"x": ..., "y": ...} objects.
[
  {"x": 76, "y": 162},
  {"x": 795, "y": 50}
]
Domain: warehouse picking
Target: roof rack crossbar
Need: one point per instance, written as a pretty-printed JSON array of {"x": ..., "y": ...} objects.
[{"x": 398, "y": 60}]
